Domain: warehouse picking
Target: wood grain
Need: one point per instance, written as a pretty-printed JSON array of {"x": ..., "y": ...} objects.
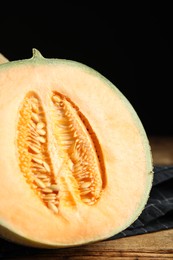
[
  {"x": 156, "y": 245},
  {"x": 162, "y": 149}
]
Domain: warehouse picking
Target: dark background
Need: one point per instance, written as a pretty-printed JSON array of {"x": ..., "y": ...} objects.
[{"x": 129, "y": 43}]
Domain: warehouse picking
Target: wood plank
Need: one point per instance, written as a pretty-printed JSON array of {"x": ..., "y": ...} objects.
[
  {"x": 162, "y": 149},
  {"x": 157, "y": 245}
]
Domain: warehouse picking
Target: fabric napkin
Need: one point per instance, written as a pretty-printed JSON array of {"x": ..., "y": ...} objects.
[{"x": 158, "y": 212}]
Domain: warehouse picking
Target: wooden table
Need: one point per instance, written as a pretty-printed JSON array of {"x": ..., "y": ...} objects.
[{"x": 157, "y": 245}]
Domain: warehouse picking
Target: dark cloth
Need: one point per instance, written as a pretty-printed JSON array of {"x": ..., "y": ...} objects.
[{"x": 158, "y": 212}]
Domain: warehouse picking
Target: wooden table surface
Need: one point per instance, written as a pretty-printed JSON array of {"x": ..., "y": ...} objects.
[{"x": 157, "y": 245}]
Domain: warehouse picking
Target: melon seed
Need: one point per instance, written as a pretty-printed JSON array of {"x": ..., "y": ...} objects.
[
  {"x": 50, "y": 196},
  {"x": 41, "y": 176},
  {"x": 85, "y": 185},
  {"x": 39, "y": 183},
  {"x": 41, "y": 139},
  {"x": 73, "y": 138},
  {"x": 77, "y": 157},
  {"x": 35, "y": 108},
  {"x": 40, "y": 125},
  {"x": 31, "y": 131},
  {"x": 46, "y": 166},
  {"x": 35, "y": 159},
  {"x": 34, "y": 148},
  {"x": 53, "y": 207},
  {"x": 41, "y": 131},
  {"x": 54, "y": 187},
  {"x": 47, "y": 190},
  {"x": 35, "y": 117}
]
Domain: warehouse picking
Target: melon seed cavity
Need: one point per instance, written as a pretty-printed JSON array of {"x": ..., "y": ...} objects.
[{"x": 75, "y": 141}]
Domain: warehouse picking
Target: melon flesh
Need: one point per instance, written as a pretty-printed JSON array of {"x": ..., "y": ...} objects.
[
  {"x": 3, "y": 59},
  {"x": 118, "y": 155}
]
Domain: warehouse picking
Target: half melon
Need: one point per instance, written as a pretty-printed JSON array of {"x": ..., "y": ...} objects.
[{"x": 75, "y": 161}]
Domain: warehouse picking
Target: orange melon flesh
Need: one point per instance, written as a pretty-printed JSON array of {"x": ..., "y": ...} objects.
[{"x": 126, "y": 156}]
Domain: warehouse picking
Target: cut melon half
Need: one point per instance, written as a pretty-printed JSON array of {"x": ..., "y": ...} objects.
[
  {"x": 3, "y": 59},
  {"x": 75, "y": 161}
]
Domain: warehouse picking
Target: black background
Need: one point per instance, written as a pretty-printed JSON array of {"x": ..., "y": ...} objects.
[{"x": 129, "y": 43}]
